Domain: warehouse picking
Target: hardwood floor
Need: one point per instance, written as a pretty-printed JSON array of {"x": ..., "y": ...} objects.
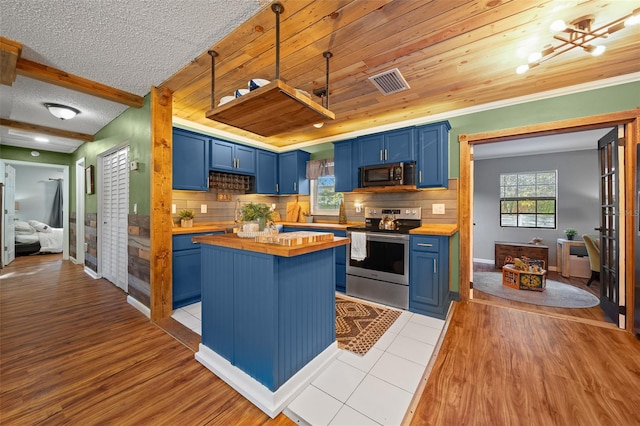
[
  {"x": 595, "y": 313},
  {"x": 73, "y": 351},
  {"x": 502, "y": 366}
]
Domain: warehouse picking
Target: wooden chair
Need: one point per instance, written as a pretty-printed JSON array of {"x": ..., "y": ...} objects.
[{"x": 593, "y": 250}]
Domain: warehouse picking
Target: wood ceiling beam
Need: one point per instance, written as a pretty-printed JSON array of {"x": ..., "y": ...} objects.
[
  {"x": 12, "y": 124},
  {"x": 61, "y": 78},
  {"x": 10, "y": 51}
]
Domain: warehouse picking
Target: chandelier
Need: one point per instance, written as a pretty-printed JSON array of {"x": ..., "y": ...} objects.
[{"x": 579, "y": 33}]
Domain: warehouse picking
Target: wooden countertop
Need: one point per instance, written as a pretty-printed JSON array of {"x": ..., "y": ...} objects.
[
  {"x": 435, "y": 229},
  {"x": 235, "y": 242},
  {"x": 202, "y": 227}
]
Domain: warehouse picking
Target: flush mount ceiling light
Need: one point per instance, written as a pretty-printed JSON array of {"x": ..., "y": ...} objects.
[
  {"x": 578, "y": 33},
  {"x": 63, "y": 112}
]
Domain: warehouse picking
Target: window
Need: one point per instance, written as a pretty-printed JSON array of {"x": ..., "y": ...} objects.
[
  {"x": 528, "y": 200},
  {"x": 324, "y": 200}
]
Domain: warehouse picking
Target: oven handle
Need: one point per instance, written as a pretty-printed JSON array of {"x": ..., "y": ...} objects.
[{"x": 376, "y": 236}]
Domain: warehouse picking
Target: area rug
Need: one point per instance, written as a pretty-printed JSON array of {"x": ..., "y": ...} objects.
[
  {"x": 360, "y": 325},
  {"x": 556, "y": 294}
]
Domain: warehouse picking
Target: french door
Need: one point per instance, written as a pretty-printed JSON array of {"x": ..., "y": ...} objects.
[
  {"x": 114, "y": 197},
  {"x": 610, "y": 223},
  {"x": 8, "y": 227}
]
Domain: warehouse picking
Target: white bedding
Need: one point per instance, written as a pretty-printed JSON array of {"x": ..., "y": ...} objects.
[{"x": 50, "y": 239}]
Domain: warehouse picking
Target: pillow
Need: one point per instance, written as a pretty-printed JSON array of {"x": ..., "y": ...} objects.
[
  {"x": 23, "y": 228},
  {"x": 39, "y": 226}
]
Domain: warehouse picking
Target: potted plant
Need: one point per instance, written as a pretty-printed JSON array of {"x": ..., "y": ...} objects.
[
  {"x": 570, "y": 233},
  {"x": 256, "y": 212},
  {"x": 186, "y": 218},
  {"x": 308, "y": 217}
]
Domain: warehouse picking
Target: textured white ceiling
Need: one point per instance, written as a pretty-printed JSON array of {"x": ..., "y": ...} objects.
[{"x": 130, "y": 45}]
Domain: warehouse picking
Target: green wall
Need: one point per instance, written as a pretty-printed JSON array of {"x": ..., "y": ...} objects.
[
  {"x": 600, "y": 101},
  {"x": 24, "y": 154},
  {"x": 132, "y": 127}
]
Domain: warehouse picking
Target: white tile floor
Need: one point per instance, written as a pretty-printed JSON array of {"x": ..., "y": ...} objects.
[{"x": 374, "y": 389}]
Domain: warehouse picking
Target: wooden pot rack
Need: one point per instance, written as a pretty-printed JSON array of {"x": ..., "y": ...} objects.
[{"x": 274, "y": 108}]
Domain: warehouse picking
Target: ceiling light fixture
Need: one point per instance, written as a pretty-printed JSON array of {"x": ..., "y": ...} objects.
[
  {"x": 578, "y": 33},
  {"x": 63, "y": 112}
]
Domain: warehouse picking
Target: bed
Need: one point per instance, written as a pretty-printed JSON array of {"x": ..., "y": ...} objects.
[{"x": 37, "y": 237}]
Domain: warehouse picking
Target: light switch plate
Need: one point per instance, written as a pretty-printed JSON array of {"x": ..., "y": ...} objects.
[
  {"x": 203, "y": 208},
  {"x": 173, "y": 209},
  {"x": 437, "y": 208}
]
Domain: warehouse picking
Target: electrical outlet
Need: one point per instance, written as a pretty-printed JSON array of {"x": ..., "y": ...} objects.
[
  {"x": 437, "y": 208},
  {"x": 173, "y": 209},
  {"x": 203, "y": 208}
]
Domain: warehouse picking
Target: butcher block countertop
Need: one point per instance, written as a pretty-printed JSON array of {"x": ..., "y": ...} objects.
[
  {"x": 248, "y": 244},
  {"x": 435, "y": 229}
]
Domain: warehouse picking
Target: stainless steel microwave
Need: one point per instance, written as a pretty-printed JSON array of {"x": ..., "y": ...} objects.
[{"x": 388, "y": 174}]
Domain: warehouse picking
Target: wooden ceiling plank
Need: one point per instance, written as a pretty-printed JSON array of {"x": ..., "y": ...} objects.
[
  {"x": 61, "y": 78},
  {"x": 10, "y": 51},
  {"x": 34, "y": 128}
]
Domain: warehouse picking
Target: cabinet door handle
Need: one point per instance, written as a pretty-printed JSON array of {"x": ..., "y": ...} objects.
[
  {"x": 420, "y": 176},
  {"x": 238, "y": 163},
  {"x": 435, "y": 266},
  {"x": 386, "y": 154},
  {"x": 294, "y": 186},
  {"x": 380, "y": 155},
  {"x": 425, "y": 245},
  {"x": 277, "y": 187}
]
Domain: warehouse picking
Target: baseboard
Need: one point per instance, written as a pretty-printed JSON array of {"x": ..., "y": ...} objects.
[
  {"x": 139, "y": 306},
  {"x": 91, "y": 273},
  {"x": 487, "y": 261},
  {"x": 272, "y": 403}
]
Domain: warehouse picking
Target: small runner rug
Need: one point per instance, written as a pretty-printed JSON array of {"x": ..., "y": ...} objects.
[{"x": 360, "y": 325}]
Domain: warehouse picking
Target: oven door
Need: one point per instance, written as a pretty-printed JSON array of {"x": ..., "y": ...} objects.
[{"x": 387, "y": 258}]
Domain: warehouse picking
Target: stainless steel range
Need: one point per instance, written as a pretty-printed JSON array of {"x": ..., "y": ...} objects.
[{"x": 378, "y": 266}]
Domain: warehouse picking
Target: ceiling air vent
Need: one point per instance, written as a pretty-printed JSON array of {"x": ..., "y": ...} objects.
[{"x": 389, "y": 82}]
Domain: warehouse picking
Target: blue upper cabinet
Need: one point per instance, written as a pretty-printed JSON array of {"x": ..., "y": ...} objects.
[
  {"x": 232, "y": 157},
  {"x": 432, "y": 148},
  {"x": 189, "y": 159},
  {"x": 344, "y": 171},
  {"x": 387, "y": 147},
  {"x": 266, "y": 172},
  {"x": 292, "y": 175}
]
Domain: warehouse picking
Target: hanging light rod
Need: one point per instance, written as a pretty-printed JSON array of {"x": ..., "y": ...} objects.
[{"x": 578, "y": 33}]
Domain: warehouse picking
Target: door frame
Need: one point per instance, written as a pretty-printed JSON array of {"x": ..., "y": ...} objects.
[
  {"x": 629, "y": 118},
  {"x": 79, "y": 258},
  {"x": 65, "y": 196}
]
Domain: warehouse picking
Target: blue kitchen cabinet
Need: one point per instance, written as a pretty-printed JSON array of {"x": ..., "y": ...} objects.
[
  {"x": 432, "y": 148},
  {"x": 267, "y": 315},
  {"x": 266, "y": 172},
  {"x": 186, "y": 269},
  {"x": 232, "y": 157},
  {"x": 429, "y": 275},
  {"x": 341, "y": 255},
  {"x": 292, "y": 174},
  {"x": 190, "y": 152},
  {"x": 344, "y": 170},
  {"x": 387, "y": 147}
]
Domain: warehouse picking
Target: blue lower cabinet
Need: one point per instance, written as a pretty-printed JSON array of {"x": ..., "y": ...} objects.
[
  {"x": 267, "y": 315},
  {"x": 186, "y": 270},
  {"x": 429, "y": 275},
  {"x": 341, "y": 256}
]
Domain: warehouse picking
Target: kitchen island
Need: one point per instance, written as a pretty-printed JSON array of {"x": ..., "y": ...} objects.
[{"x": 268, "y": 315}]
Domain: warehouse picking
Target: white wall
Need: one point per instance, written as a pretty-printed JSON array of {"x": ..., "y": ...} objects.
[
  {"x": 577, "y": 199},
  {"x": 35, "y": 192}
]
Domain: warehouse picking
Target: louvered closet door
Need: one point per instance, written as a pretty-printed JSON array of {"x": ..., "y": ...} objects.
[{"x": 115, "y": 208}]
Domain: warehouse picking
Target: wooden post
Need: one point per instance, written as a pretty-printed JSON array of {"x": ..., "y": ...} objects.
[
  {"x": 161, "y": 221},
  {"x": 464, "y": 218}
]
